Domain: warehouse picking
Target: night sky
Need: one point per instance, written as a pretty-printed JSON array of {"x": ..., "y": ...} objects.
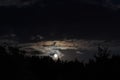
[
  {"x": 27, "y": 20},
  {"x": 43, "y": 17}
]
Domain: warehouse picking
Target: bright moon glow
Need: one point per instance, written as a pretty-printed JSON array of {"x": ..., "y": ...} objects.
[
  {"x": 53, "y": 49},
  {"x": 55, "y": 56}
]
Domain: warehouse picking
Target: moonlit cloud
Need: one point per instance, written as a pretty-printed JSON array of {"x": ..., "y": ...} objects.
[{"x": 71, "y": 49}]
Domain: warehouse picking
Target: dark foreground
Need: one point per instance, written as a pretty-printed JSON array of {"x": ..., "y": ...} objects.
[{"x": 15, "y": 66}]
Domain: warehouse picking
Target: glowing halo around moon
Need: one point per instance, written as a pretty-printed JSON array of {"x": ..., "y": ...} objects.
[
  {"x": 55, "y": 54},
  {"x": 53, "y": 49},
  {"x": 55, "y": 57}
]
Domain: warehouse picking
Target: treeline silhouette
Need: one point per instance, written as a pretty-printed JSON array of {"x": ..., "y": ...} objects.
[{"x": 14, "y": 65}]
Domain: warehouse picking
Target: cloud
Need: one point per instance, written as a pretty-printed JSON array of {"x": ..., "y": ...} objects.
[
  {"x": 37, "y": 38},
  {"x": 85, "y": 48},
  {"x": 113, "y": 4},
  {"x": 8, "y": 36},
  {"x": 16, "y": 2},
  {"x": 28, "y": 2},
  {"x": 42, "y": 3},
  {"x": 9, "y": 39},
  {"x": 82, "y": 45}
]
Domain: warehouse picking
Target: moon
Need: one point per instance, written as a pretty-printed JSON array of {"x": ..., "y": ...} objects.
[{"x": 55, "y": 57}]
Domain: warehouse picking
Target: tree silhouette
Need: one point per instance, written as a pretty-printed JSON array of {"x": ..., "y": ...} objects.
[
  {"x": 18, "y": 66},
  {"x": 2, "y": 51},
  {"x": 102, "y": 55}
]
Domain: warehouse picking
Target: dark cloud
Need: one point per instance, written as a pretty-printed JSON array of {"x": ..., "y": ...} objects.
[
  {"x": 107, "y": 3},
  {"x": 9, "y": 36},
  {"x": 16, "y": 2}
]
